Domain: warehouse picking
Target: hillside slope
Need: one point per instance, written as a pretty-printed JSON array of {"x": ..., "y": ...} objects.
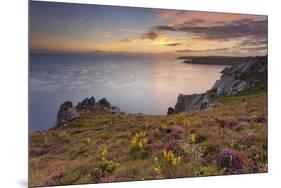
[
  {"x": 221, "y": 131},
  {"x": 106, "y": 146}
]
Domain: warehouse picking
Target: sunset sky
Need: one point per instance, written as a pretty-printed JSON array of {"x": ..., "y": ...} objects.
[{"x": 84, "y": 28}]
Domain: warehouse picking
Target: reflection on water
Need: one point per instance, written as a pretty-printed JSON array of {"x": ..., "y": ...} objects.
[{"x": 136, "y": 84}]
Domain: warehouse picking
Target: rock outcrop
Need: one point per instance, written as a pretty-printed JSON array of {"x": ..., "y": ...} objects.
[
  {"x": 171, "y": 110},
  {"x": 104, "y": 103},
  {"x": 88, "y": 104},
  {"x": 241, "y": 77},
  {"x": 234, "y": 80},
  {"x": 187, "y": 103},
  {"x": 66, "y": 113}
]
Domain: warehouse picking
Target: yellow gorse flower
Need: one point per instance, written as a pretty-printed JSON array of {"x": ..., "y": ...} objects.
[
  {"x": 193, "y": 137},
  {"x": 139, "y": 140},
  {"x": 104, "y": 154},
  {"x": 158, "y": 169},
  {"x": 171, "y": 157}
]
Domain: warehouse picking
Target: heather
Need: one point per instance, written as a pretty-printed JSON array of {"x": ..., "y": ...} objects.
[{"x": 230, "y": 138}]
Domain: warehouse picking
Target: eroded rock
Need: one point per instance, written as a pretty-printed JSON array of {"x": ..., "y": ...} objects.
[
  {"x": 66, "y": 113},
  {"x": 187, "y": 103}
]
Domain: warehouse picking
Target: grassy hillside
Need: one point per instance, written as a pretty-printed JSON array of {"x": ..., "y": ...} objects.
[{"x": 105, "y": 147}]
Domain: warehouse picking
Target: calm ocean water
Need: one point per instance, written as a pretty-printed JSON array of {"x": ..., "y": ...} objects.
[{"x": 145, "y": 84}]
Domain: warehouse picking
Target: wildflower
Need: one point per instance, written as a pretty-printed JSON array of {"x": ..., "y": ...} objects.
[
  {"x": 139, "y": 145},
  {"x": 104, "y": 154},
  {"x": 231, "y": 160},
  {"x": 193, "y": 137},
  {"x": 170, "y": 157},
  {"x": 157, "y": 169}
]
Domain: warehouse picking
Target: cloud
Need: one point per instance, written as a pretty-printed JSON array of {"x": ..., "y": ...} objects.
[
  {"x": 251, "y": 42},
  {"x": 165, "y": 28},
  {"x": 206, "y": 50},
  {"x": 252, "y": 45},
  {"x": 254, "y": 48},
  {"x": 225, "y": 31},
  {"x": 129, "y": 30},
  {"x": 168, "y": 14},
  {"x": 194, "y": 22},
  {"x": 151, "y": 35},
  {"x": 126, "y": 40},
  {"x": 173, "y": 44}
]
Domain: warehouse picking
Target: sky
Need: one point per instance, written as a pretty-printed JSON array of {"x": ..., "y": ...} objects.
[{"x": 84, "y": 28}]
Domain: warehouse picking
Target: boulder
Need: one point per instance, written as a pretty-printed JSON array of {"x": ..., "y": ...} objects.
[
  {"x": 170, "y": 111},
  {"x": 88, "y": 103},
  {"x": 66, "y": 113},
  {"x": 104, "y": 103},
  {"x": 187, "y": 103}
]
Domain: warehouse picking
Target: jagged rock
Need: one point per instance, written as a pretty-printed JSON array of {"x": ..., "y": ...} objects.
[
  {"x": 234, "y": 80},
  {"x": 104, "y": 103},
  {"x": 66, "y": 113},
  {"x": 170, "y": 111},
  {"x": 187, "y": 103},
  {"x": 88, "y": 103},
  {"x": 241, "y": 77},
  {"x": 229, "y": 85}
]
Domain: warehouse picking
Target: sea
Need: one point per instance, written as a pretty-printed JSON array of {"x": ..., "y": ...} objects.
[{"x": 135, "y": 83}]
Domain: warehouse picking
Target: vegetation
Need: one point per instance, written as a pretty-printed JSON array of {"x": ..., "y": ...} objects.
[{"x": 108, "y": 147}]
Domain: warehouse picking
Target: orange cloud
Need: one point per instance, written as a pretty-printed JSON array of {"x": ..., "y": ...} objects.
[{"x": 211, "y": 18}]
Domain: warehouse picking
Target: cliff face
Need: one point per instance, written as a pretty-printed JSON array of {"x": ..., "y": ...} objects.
[
  {"x": 246, "y": 76},
  {"x": 188, "y": 103},
  {"x": 241, "y": 77}
]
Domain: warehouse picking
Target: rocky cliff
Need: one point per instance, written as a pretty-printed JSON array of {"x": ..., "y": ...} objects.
[
  {"x": 242, "y": 77},
  {"x": 249, "y": 76}
]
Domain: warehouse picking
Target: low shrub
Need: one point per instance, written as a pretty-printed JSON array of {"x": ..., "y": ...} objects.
[
  {"x": 205, "y": 171},
  {"x": 107, "y": 166},
  {"x": 90, "y": 154},
  {"x": 170, "y": 158},
  {"x": 174, "y": 146},
  {"x": 139, "y": 149},
  {"x": 197, "y": 137},
  {"x": 231, "y": 161},
  {"x": 230, "y": 123},
  {"x": 165, "y": 163},
  {"x": 247, "y": 140},
  {"x": 157, "y": 172},
  {"x": 210, "y": 148},
  {"x": 87, "y": 141},
  {"x": 96, "y": 175},
  {"x": 179, "y": 119},
  {"x": 102, "y": 122},
  {"x": 177, "y": 132},
  {"x": 64, "y": 137},
  {"x": 55, "y": 179},
  {"x": 258, "y": 155}
]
